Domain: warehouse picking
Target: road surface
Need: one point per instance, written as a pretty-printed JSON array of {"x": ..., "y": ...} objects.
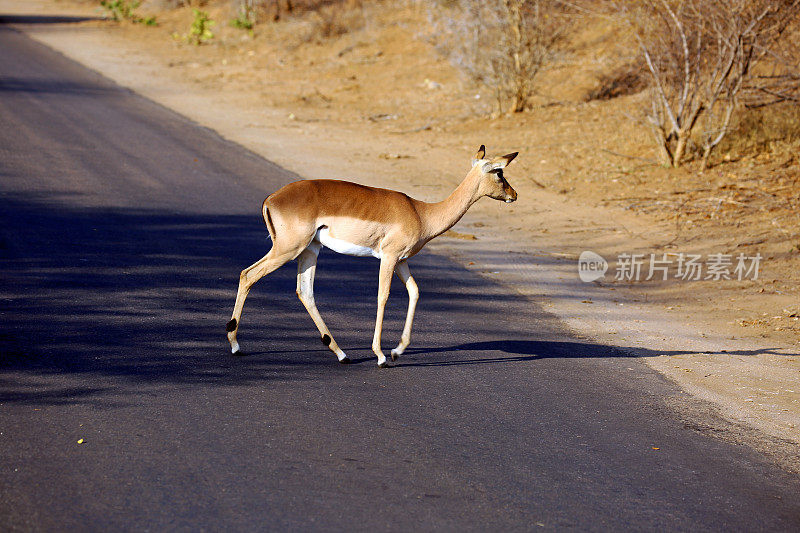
[{"x": 123, "y": 228}]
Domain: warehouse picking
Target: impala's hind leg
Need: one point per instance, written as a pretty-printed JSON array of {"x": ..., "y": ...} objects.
[
  {"x": 269, "y": 263},
  {"x": 306, "y": 269}
]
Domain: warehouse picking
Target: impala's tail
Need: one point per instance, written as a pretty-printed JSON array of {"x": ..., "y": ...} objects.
[{"x": 268, "y": 219}]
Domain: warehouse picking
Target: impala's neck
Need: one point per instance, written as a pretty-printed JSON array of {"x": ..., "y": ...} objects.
[{"x": 441, "y": 216}]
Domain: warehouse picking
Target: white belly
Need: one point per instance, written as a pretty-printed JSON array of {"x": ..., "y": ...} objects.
[{"x": 343, "y": 247}]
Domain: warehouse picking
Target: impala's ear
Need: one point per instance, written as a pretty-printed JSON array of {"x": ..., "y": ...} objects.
[
  {"x": 506, "y": 159},
  {"x": 479, "y": 155},
  {"x": 498, "y": 163}
]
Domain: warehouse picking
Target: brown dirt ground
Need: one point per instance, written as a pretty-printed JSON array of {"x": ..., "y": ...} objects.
[{"x": 378, "y": 104}]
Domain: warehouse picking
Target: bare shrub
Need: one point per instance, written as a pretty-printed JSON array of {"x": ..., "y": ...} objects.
[
  {"x": 333, "y": 21},
  {"x": 502, "y": 44},
  {"x": 777, "y": 80},
  {"x": 702, "y": 57},
  {"x": 275, "y": 9}
]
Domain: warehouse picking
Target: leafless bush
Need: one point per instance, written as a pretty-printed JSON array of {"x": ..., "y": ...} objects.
[
  {"x": 502, "y": 44},
  {"x": 703, "y": 58}
]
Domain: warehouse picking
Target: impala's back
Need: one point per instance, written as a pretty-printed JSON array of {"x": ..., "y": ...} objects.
[{"x": 352, "y": 213}]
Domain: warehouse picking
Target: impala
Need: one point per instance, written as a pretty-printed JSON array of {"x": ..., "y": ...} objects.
[{"x": 354, "y": 219}]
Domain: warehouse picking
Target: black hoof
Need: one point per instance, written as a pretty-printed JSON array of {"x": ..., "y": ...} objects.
[
  {"x": 345, "y": 361},
  {"x": 385, "y": 364}
]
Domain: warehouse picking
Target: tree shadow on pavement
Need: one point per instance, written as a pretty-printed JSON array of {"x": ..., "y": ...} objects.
[{"x": 102, "y": 301}]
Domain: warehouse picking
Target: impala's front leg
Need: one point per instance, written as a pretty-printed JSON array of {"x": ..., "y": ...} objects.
[
  {"x": 404, "y": 273},
  {"x": 384, "y": 283}
]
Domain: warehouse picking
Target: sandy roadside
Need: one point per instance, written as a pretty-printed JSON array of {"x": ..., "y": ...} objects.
[{"x": 755, "y": 382}]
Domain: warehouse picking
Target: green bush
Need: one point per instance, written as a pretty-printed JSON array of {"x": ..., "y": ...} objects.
[
  {"x": 242, "y": 22},
  {"x": 125, "y": 10},
  {"x": 201, "y": 28}
]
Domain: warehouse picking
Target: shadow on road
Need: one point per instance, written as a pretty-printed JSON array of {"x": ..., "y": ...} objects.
[
  {"x": 141, "y": 297},
  {"x": 44, "y": 19},
  {"x": 37, "y": 86},
  {"x": 526, "y": 350}
]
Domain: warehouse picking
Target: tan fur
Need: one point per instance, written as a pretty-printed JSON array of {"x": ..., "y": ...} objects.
[{"x": 389, "y": 222}]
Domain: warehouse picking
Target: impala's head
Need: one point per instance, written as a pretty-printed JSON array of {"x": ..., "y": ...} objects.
[{"x": 493, "y": 184}]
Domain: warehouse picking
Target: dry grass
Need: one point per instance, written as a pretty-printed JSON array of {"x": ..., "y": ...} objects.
[{"x": 771, "y": 129}]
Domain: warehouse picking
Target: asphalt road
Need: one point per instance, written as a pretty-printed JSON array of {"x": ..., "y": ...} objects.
[{"x": 123, "y": 228}]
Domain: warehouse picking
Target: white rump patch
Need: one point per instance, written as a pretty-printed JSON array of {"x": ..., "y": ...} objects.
[{"x": 343, "y": 247}]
